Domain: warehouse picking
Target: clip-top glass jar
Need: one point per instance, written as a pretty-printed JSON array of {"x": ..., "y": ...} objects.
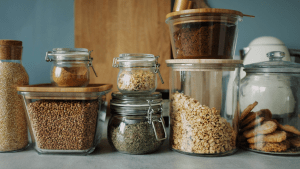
[
  {"x": 136, "y": 125},
  {"x": 270, "y": 100},
  {"x": 137, "y": 73},
  {"x": 200, "y": 122},
  {"x": 70, "y": 67}
]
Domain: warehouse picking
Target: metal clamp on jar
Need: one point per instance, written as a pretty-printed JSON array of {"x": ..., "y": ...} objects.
[
  {"x": 136, "y": 125},
  {"x": 70, "y": 66},
  {"x": 137, "y": 73}
]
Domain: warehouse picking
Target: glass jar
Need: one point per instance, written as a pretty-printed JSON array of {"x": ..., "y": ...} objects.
[
  {"x": 13, "y": 126},
  {"x": 206, "y": 33},
  {"x": 200, "y": 123},
  {"x": 137, "y": 73},
  {"x": 271, "y": 108},
  {"x": 64, "y": 120},
  {"x": 136, "y": 125},
  {"x": 70, "y": 67}
]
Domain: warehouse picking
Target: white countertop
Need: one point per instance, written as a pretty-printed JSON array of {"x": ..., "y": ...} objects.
[{"x": 105, "y": 157}]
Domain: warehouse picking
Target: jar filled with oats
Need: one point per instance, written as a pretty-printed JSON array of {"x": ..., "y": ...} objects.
[
  {"x": 13, "y": 126},
  {"x": 204, "y": 109},
  {"x": 137, "y": 73},
  {"x": 136, "y": 125},
  {"x": 70, "y": 66}
]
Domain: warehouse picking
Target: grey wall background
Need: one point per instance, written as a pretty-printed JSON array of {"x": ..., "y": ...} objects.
[
  {"x": 41, "y": 25},
  {"x": 46, "y": 24}
]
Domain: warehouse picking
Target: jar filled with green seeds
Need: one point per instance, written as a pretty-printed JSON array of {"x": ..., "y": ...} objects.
[{"x": 136, "y": 125}]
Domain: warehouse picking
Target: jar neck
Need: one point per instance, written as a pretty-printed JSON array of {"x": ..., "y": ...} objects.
[{"x": 11, "y": 61}]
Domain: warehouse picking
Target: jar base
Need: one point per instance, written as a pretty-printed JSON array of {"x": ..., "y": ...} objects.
[
  {"x": 14, "y": 151},
  {"x": 207, "y": 155}
]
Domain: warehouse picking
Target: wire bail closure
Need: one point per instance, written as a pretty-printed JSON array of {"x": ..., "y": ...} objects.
[{"x": 152, "y": 121}]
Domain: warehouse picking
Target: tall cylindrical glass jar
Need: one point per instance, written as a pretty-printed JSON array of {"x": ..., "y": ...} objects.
[
  {"x": 13, "y": 126},
  {"x": 200, "y": 122}
]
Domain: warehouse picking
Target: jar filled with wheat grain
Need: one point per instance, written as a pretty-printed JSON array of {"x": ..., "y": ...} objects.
[{"x": 13, "y": 126}]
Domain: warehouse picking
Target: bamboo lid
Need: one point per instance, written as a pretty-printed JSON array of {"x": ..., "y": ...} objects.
[
  {"x": 49, "y": 88},
  {"x": 10, "y": 49},
  {"x": 207, "y": 11},
  {"x": 204, "y": 64}
]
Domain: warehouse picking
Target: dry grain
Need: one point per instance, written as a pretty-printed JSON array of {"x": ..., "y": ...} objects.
[
  {"x": 13, "y": 127},
  {"x": 63, "y": 124}
]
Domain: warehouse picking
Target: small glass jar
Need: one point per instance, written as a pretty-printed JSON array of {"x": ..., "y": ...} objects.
[
  {"x": 136, "y": 125},
  {"x": 200, "y": 122},
  {"x": 137, "y": 73},
  {"x": 270, "y": 96},
  {"x": 64, "y": 121},
  {"x": 70, "y": 67}
]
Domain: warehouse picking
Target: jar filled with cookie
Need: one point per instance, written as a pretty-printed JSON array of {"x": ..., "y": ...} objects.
[
  {"x": 200, "y": 122},
  {"x": 270, "y": 106},
  {"x": 137, "y": 73}
]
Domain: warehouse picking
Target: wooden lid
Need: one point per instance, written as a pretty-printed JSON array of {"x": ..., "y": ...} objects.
[
  {"x": 204, "y": 64},
  {"x": 207, "y": 11},
  {"x": 203, "y": 61},
  {"x": 10, "y": 42},
  {"x": 49, "y": 88}
]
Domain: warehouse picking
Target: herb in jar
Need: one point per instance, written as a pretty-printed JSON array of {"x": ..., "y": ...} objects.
[
  {"x": 138, "y": 138},
  {"x": 137, "y": 80}
]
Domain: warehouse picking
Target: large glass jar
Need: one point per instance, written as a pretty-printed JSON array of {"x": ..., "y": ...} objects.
[
  {"x": 206, "y": 33},
  {"x": 136, "y": 125},
  {"x": 270, "y": 104},
  {"x": 64, "y": 120},
  {"x": 13, "y": 126},
  {"x": 200, "y": 123},
  {"x": 70, "y": 67},
  {"x": 137, "y": 73}
]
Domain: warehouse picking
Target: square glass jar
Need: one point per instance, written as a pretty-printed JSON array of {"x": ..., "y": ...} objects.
[{"x": 64, "y": 120}]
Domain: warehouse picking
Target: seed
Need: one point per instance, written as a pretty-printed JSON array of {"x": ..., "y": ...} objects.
[
  {"x": 13, "y": 127},
  {"x": 57, "y": 129}
]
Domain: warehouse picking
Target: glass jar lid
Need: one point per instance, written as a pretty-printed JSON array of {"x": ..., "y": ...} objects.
[
  {"x": 135, "y": 60},
  {"x": 70, "y": 54},
  {"x": 204, "y": 64},
  {"x": 136, "y": 104},
  {"x": 274, "y": 65}
]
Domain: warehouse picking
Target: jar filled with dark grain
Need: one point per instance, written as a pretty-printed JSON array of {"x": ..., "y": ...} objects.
[
  {"x": 136, "y": 125},
  {"x": 13, "y": 127}
]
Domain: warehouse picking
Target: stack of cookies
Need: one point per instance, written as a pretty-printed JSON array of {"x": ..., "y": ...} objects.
[{"x": 260, "y": 132}]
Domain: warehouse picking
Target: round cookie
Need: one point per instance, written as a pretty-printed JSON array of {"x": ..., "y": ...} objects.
[
  {"x": 266, "y": 113},
  {"x": 248, "y": 110},
  {"x": 295, "y": 142},
  {"x": 250, "y": 118},
  {"x": 253, "y": 123},
  {"x": 267, "y": 127},
  {"x": 289, "y": 128},
  {"x": 271, "y": 147},
  {"x": 277, "y": 137}
]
